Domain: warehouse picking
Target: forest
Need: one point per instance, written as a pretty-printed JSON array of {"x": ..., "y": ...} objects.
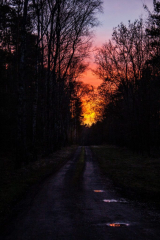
[
  {"x": 44, "y": 45},
  {"x": 129, "y": 65}
]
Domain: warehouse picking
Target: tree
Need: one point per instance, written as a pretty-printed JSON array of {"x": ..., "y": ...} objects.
[
  {"x": 43, "y": 46},
  {"x": 121, "y": 63}
]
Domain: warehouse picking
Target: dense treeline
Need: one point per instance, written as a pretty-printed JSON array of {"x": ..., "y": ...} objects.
[
  {"x": 129, "y": 65},
  {"x": 43, "y": 45}
]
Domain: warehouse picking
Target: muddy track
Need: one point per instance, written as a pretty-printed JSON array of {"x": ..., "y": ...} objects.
[{"x": 90, "y": 209}]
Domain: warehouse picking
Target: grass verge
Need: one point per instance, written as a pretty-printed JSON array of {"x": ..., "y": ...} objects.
[
  {"x": 16, "y": 183},
  {"x": 79, "y": 166},
  {"x": 136, "y": 175}
]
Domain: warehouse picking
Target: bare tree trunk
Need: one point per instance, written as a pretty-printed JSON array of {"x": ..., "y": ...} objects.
[
  {"x": 35, "y": 100},
  {"x": 21, "y": 148},
  {"x": 49, "y": 106}
]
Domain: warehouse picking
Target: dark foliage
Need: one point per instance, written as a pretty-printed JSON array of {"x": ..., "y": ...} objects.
[
  {"x": 43, "y": 45},
  {"x": 129, "y": 65}
]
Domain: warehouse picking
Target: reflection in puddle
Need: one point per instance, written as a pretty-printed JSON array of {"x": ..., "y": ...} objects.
[
  {"x": 117, "y": 224},
  {"x": 98, "y": 190},
  {"x": 114, "y": 200},
  {"x": 110, "y": 200}
]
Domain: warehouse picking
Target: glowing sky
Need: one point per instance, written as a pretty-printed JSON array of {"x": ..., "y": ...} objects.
[{"x": 114, "y": 12}]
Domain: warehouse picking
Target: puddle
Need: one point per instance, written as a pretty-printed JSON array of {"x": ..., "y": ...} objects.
[
  {"x": 98, "y": 190},
  {"x": 117, "y": 224},
  {"x": 110, "y": 200},
  {"x": 114, "y": 201}
]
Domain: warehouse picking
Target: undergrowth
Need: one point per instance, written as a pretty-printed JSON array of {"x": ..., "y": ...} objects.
[
  {"x": 79, "y": 166},
  {"x": 16, "y": 183},
  {"x": 136, "y": 175}
]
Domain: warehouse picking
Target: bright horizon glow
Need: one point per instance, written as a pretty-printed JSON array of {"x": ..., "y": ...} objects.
[
  {"x": 89, "y": 115},
  {"x": 92, "y": 110}
]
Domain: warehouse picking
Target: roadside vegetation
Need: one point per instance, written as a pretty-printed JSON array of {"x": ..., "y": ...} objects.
[
  {"x": 16, "y": 183},
  {"x": 79, "y": 166},
  {"x": 136, "y": 175}
]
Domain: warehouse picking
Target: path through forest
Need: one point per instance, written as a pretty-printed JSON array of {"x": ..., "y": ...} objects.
[{"x": 91, "y": 209}]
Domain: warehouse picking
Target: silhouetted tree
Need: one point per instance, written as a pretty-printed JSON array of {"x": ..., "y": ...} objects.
[
  {"x": 43, "y": 46},
  {"x": 129, "y": 68}
]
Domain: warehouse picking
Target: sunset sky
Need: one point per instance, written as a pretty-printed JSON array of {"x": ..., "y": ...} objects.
[{"x": 114, "y": 12}]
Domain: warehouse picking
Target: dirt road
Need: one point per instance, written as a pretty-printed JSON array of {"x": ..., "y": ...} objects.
[{"x": 88, "y": 210}]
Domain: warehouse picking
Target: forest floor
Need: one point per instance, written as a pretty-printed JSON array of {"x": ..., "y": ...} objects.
[
  {"x": 79, "y": 202},
  {"x": 15, "y": 184},
  {"x": 136, "y": 176}
]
